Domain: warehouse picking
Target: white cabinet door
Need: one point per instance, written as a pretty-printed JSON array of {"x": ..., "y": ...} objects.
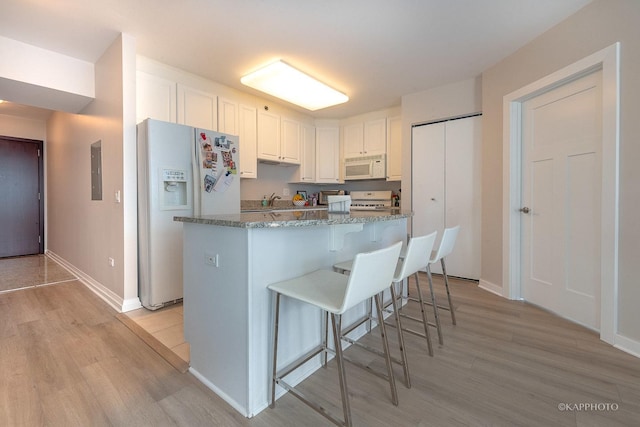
[
  {"x": 248, "y": 135},
  {"x": 268, "y": 136},
  {"x": 197, "y": 108},
  {"x": 394, "y": 148},
  {"x": 290, "y": 142},
  {"x": 155, "y": 98},
  {"x": 307, "y": 170},
  {"x": 328, "y": 155},
  {"x": 353, "y": 140},
  {"x": 375, "y": 137},
  {"x": 227, "y": 116},
  {"x": 446, "y": 188}
]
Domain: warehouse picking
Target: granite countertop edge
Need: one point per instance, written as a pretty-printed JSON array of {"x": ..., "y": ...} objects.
[{"x": 298, "y": 218}]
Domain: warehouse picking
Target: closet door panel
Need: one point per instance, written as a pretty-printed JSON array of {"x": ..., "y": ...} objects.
[
  {"x": 462, "y": 187},
  {"x": 427, "y": 166}
]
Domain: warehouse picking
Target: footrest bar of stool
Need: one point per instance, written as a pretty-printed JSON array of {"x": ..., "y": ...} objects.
[
  {"x": 300, "y": 361},
  {"x": 366, "y": 368},
  {"x": 416, "y": 319},
  {"x": 443, "y": 307},
  {"x": 318, "y": 408},
  {"x": 358, "y": 323},
  {"x": 412, "y": 332},
  {"x": 371, "y": 349}
]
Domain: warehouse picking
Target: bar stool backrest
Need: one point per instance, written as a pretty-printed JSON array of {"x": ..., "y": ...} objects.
[
  {"x": 372, "y": 273},
  {"x": 446, "y": 244},
  {"x": 417, "y": 256}
]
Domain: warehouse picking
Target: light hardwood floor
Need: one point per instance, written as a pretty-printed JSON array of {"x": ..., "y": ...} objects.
[
  {"x": 163, "y": 330},
  {"x": 65, "y": 360}
]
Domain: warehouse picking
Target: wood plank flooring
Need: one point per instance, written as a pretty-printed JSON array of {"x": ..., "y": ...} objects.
[
  {"x": 65, "y": 360},
  {"x": 163, "y": 330}
]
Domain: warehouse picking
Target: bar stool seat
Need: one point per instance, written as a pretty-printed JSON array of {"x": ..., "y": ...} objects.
[{"x": 335, "y": 293}]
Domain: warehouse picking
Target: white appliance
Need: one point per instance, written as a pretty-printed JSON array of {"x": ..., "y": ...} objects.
[
  {"x": 182, "y": 171},
  {"x": 369, "y": 167},
  {"x": 370, "y": 200}
]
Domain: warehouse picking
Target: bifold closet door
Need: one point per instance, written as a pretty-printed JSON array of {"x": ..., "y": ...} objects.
[
  {"x": 446, "y": 187},
  {"x": 428, "y": 186}
]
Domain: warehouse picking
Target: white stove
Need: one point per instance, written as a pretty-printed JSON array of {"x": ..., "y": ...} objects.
[{"x": 370, "y": 200}]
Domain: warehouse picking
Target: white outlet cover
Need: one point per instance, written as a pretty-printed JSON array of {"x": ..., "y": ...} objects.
[{"x": 285, "y": 192}]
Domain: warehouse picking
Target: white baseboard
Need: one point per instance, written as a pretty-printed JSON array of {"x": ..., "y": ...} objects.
[
  {"x": 627, "y": 345},
  {"x": 131, "y": 304},
  {"x": 238, "y": 407},
  {"x": 107, "y": 295},
  {"x": 490, "y": 287}
]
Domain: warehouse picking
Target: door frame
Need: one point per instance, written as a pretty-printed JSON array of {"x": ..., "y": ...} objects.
[
  {"x": 608, "y": 61},
  {"x": 40, "y": 145}
]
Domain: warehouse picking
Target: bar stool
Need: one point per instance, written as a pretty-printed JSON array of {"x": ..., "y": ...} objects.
[
  {"x": 335, "y": 293},
  {"x": 413, "y": 260},
  {"x": 446, "y": 247}
]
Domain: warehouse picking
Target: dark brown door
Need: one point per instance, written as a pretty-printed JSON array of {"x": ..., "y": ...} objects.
[{"x": 21, "y": 217}]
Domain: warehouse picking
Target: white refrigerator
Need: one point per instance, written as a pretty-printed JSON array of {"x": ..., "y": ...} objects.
[{"x": 182, "y": 171}]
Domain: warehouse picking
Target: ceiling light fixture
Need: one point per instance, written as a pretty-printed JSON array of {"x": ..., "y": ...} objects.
[{"x": 285, "y": 82}]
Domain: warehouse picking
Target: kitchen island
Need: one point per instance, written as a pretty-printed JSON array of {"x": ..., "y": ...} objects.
[{"x": 228, "y": 262}]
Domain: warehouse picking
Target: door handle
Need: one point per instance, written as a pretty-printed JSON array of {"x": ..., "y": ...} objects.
[{"x": 525, "y": 210}]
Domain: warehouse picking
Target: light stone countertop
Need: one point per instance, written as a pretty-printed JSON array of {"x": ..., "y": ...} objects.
[{"x": 295, "y": 218}]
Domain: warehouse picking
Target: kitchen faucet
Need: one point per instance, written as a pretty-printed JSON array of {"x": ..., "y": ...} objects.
[{"x": 272, "y": 198}]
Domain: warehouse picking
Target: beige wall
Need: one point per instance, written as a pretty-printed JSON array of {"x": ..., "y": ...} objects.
[
  {"x": 83, "y": 232},
  {"x": 21, "y": 127},
  {"x": 598, "y": 25}
]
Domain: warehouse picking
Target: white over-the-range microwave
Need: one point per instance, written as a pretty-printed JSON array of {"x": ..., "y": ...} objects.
[{"x": 369, "y": 167}]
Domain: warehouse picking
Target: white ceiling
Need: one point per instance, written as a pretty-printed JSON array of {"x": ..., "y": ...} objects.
[{"x": 375, "y": 51}]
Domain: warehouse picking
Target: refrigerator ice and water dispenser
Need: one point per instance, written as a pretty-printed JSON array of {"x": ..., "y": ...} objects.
[{"x": 174, "y": 192}]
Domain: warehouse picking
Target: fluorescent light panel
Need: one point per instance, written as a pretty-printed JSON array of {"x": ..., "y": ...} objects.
[{"x": 285, "y": 82}]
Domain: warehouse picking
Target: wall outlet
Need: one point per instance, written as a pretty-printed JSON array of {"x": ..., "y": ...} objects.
[
  {"x": 112, "y": 262},
  {"x": 285, "y": 192},
  {"x": 116, "y": 196},
  {"x": 211, "y": 259}
]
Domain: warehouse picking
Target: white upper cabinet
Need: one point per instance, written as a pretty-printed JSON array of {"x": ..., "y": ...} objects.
[
  {"x": 155, "y": 98},
  {"x": 248, "y": 135},
  {"x": 307, "y": 170},
  {"x": 353, "y": 140},
  {"x": 197, "y": 108},
  {"x": 365, "y": 139},
  {"x": 278, "y": 139},
  {"x": 290, "y": 142},
  {"x": 394, "y": 148},
  {"x": 268, "y": 136},
  {"x": 375, "y": 137},
  {"x": 327, "y": 155},
  {"x": 227, "y": 116}
]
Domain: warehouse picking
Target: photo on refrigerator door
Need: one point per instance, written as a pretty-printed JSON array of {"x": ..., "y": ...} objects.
[
  {"x": 228, "y": 163},
  {"x": 210, "y": 160},
  {"x": 209, "y": 183}
]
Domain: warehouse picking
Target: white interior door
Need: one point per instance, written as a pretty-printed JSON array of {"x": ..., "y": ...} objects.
[{"x": 561, "y": 180}]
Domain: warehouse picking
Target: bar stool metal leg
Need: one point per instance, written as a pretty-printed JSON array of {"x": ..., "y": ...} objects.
[
  {"x": 435, "y": 306},
  {"x": 446, "y": 285},
  {"x": 403, "y": 354},
  {"x": 336, "y": 321},
  {"x": 274, "y": 377},
  {"x": 425, "y": 321},
  {"x": 385, "y": 344}
]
